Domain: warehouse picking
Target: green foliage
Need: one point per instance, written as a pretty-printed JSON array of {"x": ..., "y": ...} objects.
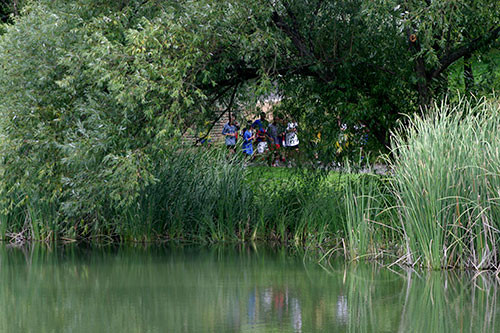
[
  {"x": 442, "y": 33},
  {"x": 441, "y": 26},
  {"x": 301, "y": 205},
  {"x": 9, "y": 9},
  {"x": 93, "y": 96},
  {"x": 199, "y": 195},
  {"x": 96, "y": 95},
  {"x": 486, "y": 76},
  {"x": 360, "y": 78}
]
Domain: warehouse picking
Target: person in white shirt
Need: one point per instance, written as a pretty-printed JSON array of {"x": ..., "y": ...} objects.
[{"x": 291, "y": 137}]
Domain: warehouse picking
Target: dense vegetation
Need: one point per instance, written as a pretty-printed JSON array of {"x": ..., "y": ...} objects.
[
  {"x": 96, "y": 95},
  {"x": 441, "y": 205},
  {"x": 438, "y": 208},
  {"x": 202, "y": 196}
]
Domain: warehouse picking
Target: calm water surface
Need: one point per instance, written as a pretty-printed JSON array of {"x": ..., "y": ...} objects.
[{"x": 174, "y": 289}]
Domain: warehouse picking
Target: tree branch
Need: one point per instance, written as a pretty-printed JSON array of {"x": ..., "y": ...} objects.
[
  {"x": 242, "y": 74},
  {"x": 15, "y": 7},
  {"x": 294, "y": 35},
  {"x": 466, "y": 50},
  {"x": 304, "y": 48},
  {"x": 228, "y": 109}
]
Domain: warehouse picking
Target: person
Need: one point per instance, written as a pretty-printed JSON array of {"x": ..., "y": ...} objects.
[
  {"x": 261, "y": 123},
  {"x": 261, "y": 140},
  {"x": 235, "y": 123},
  {"x": 231, "y": 133},
  {"x": 362, "y": 136},
  {"x": 260, "y": 126},
  {"x": 291, "y": 138},
  {"x": 248, "y": 137},
  {"x": 273, "y": 133},
  {"x": 315, "y": 144},
  {"x": 343, "y": 141}
]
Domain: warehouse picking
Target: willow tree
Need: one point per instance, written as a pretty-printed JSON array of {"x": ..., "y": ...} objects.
[{"x": 94, "y": 93}]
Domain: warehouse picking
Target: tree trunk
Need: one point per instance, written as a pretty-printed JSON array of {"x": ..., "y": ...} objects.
[
  {"x": 14, "y": 7},
  {"x": 468, "y": 75},
  {"x": 423, "y": 80},
  {"x": 381, "y": 134},
  {"x": 424, "y": 92}
]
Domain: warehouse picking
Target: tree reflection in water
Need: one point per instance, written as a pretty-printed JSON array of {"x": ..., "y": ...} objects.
[{"x": 227, "y": 289}]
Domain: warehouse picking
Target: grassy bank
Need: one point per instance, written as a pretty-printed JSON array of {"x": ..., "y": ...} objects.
[
  {"x": 196, "y": 196},
  {"x": 207, "y": 197}
]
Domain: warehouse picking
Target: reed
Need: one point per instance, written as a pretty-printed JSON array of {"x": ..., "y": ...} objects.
[
  {"x": 446, "y": 183},
  {"x": 198, "y": 195},
  {"x": 439, "y": 208},
  {"x": 367, "y": 227},
  {"x": 296, "y": 205}
]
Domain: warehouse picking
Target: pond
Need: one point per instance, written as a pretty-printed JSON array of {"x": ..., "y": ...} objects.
[{"x": 193, "y": 289}]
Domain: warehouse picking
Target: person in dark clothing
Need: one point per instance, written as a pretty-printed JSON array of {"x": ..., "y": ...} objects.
[{"x": 275, "y": 137}]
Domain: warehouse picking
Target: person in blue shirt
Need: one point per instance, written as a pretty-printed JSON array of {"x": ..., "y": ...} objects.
[
  {"x": 261, "y": 123},
  {"x": 230, "y": 131},
  {"x": 248, "y": 137}
]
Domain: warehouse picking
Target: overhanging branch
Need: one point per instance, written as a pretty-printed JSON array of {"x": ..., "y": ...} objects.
[
  {"x": 466, "y": 50},
  {"x": 228, "y": 109}
]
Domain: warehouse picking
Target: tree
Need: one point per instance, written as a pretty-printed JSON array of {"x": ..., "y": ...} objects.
[
  {"x": 95, "y": 93},
  {"x": 442, "y": 32}
]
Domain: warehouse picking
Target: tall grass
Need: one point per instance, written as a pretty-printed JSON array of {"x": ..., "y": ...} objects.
[
  {"x": 296, "y": 205},
  {"x": 438, "y": 208},
  {"x": 364, "y": 203},
  {"x": 446, "y": 183},
  {"x": 208, "y": 196},
  {"x": 198, "y": 195}
]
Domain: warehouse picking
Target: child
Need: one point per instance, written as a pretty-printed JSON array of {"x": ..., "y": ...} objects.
[
  {"x": 260, "y": 138},
  {"x": 247, "y": 140},
  {"x": 292, "y": 139}
]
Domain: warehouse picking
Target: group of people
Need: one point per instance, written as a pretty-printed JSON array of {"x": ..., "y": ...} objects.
[{"x": 261, "y": 136}]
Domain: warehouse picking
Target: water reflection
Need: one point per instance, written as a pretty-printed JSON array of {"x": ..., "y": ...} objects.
[
  {"x": 174, "y": 289},
  {"x": 274, "y": 305}
]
